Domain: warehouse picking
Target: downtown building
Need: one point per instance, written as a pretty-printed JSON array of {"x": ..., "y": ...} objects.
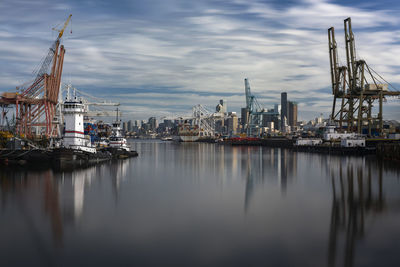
[{"x": 288, "y": 114}]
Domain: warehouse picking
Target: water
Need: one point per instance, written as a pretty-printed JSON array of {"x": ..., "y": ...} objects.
[{"x": 204, "y": 205}]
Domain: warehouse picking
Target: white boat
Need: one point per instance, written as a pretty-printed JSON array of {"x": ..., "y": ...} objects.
[
  {"x": 74, "y": 136},
  {"x": 117, "y": 140},
  {"x": 76, "y": 148}
]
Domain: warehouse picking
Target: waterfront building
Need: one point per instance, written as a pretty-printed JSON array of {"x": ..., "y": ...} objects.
[
  {"x": 169, "y": 123},
  {"x": 232, "y": 124},
  {"x": 277, "y": 108},
  {"x": 222, "y": 107},
  {"x": 125, "y": 126},
  {"x": 292, "y": 115},
  {"x": 129, "y": 126},
  {"x": 153, "y": 123},
  {"x": 271, "y": 126},
  {"x": 220, "y": 126},
  {"x": 284, "y": 109}
]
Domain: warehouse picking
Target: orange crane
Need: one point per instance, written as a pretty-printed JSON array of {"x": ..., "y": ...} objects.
[
  {"x": 36, "y": 105},
  {"x": 46, "y": 62}
]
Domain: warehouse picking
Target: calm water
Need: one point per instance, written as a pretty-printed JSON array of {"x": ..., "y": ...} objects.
[{"x": 204, "y": 205}]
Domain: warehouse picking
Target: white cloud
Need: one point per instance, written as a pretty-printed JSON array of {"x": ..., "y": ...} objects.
[{"x": 200, "y": 48}]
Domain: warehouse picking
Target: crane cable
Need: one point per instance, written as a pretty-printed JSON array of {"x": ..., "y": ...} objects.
[{"x": 391, "y": 85}]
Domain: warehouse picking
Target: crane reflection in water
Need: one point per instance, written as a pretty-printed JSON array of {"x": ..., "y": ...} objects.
[
  {"x": 60, "y": 196},
  {"x": 357, "y": 194}
]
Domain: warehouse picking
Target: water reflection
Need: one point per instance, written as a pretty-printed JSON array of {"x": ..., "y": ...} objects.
[
  {"x": 118, "y": 173},
  {"x": 59, "y": 195},
  {"x": 357, "y": 194},
  {"x": 260, "y": 163},
  {"x": 188, "y": 204}
]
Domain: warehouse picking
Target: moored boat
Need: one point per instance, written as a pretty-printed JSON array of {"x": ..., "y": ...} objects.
[
  {"x": 118, "y": 146},
  {"x": 76, "y": 149},
  {"x": 188, "y": 132}
]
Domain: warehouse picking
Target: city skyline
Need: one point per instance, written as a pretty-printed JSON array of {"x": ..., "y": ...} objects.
[{"x": 162, "y": 58}]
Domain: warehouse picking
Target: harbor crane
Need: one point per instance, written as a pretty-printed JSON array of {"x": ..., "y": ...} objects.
[
  {"x": 50, "y": 55},
  {"x": 255, "y": 113},
  {"x": 35, "y": 105},
  {"x": 204, "y": 119},
  {"x": 357, "y": 88},
  {"x": 254, "y": 118}
]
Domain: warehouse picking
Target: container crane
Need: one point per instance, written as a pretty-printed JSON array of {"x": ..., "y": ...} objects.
[
  {"x": 254, "y": 111},
  {"x": 339, "y": 85},
  {"x": 35, "y": 106},
  {"x": 359, "y": 90}
]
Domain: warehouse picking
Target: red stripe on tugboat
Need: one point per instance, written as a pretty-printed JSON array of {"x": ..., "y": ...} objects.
[{"x": 74, "y": 132}]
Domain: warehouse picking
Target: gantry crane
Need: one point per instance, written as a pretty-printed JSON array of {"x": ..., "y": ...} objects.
[
  {"x": 255, "y": 112},
  {"x": 36, "y": 105},
  {"x": 339, "y": 85},
  {"x": 253, "y": 119},
  {"x": 358, "y": 91}
]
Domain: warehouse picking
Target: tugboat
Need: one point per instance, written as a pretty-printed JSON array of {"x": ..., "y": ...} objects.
[
  {"x": 118, "y": 146},
  {"x": 76, "y": 149}
]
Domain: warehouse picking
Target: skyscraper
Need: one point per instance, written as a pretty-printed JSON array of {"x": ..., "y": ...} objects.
[
  {"x": 129, "y": 127},
  {"x": 222, "y": 107},
  {"x": 284, "y": 109},
  {"x": 232, "y": 123},
  {"x": 292, "y": 120},
  {"x": 153, "y": 123}
]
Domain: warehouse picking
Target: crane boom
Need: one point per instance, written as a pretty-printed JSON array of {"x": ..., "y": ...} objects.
[
  {"x": 249, "y": 96},
  {"x": 61, "y": 32},
  {"x": 46, "y": 62}
]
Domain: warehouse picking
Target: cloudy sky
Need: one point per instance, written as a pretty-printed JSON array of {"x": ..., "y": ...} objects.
[{"x": 161, "y": 57}]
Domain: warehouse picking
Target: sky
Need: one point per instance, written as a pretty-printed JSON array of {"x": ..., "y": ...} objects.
[{"x": 161, "y": 57}]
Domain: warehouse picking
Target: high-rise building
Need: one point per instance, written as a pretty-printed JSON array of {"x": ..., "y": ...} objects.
[
  {"x": 284, "y": 109},
  {"x": 222, "y": 107},
  {"x": 220, "y": 126},
  {"x": 153, "y": 123},
  {"x": 124, "y": 126},
  {"x": 169, "y": 123},
  {"x": 129, "y": 127},
  {"x": 277, "y": 109},
  {"x": 232, "y": 123},
  {"x": 292, "y": 113},
  {"x": 244, "y": 116}
]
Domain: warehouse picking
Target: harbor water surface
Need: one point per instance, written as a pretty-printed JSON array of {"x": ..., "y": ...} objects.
[{"x": 204, "y": 205}]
